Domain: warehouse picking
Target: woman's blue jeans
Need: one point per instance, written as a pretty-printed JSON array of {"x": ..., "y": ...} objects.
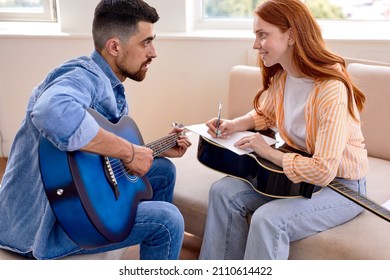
[{"x": 274, "y": 223}]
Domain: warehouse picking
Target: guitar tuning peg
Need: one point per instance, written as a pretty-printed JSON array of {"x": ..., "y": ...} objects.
[{"x": 179, "y": 125}]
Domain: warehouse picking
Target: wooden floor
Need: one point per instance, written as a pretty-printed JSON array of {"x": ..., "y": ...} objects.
[
  {"x": 191, "y": 247},
  {"x": 191, "y": 244},
  {"x": 3, "y": 162}
]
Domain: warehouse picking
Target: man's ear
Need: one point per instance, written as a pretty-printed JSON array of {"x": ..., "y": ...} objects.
[{"x": 112, "y": 46}]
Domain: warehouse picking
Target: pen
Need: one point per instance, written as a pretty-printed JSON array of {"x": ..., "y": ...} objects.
[{"x": 217, "y": 132}]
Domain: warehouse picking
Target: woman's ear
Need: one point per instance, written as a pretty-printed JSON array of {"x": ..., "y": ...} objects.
[{"x": 291, "y": 40}]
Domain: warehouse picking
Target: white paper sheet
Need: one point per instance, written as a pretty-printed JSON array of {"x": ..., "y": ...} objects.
[{"x": 228, "y": 143}]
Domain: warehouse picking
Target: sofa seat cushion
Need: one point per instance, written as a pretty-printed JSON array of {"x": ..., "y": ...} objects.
[{"x": 364, "y": 238}]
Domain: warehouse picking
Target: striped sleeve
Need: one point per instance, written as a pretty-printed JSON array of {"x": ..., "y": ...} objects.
[{"x": 329, "y": 132}]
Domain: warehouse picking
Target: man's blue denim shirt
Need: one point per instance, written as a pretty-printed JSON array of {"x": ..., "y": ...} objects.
[{"x": 56, "y": 109}]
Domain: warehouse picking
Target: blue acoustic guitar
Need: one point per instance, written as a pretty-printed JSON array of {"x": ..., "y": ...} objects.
[{"x": 94, "y": 197}]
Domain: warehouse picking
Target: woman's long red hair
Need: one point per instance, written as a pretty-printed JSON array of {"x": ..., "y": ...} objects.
[{"x": 310, "y": 55}]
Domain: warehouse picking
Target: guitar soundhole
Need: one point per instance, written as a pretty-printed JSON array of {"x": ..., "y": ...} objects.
[{"x": 133, "y": 178}]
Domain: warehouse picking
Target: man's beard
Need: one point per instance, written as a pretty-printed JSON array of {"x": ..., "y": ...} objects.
[{"x": 136, "y": 76}]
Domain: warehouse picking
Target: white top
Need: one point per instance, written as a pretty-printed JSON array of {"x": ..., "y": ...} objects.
[{"x": 296, "y": 94}]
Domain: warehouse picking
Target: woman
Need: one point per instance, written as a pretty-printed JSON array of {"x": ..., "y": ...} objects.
[{"x": 309, "y": 98}]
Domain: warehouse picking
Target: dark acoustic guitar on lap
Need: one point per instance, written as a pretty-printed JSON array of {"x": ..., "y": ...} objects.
[{"x": 269, "y": 179}]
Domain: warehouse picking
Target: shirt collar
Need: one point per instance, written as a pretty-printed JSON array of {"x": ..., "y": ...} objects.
[{"x": 102, "y": 63}]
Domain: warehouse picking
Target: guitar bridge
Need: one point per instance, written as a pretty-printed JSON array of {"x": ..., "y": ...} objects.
[{"x": 111, "y": 177}]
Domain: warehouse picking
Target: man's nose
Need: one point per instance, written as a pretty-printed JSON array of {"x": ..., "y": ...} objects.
[{"x": 152, "y": 51}]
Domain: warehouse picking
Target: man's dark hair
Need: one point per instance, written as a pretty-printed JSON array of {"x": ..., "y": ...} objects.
[{"x": 120, "y": 18}]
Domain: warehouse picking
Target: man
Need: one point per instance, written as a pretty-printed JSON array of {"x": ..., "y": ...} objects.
[{"x": 123, "y": 34}]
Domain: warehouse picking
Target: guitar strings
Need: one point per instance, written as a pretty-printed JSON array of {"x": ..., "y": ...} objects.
[
  {"x": 158, "y": 146},
  {"x": 120, "y": 170}
]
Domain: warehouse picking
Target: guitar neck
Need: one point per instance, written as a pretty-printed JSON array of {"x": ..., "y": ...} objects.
[
  {"x": 361, "y": 200},
  {"x": 161, "y": 145}
]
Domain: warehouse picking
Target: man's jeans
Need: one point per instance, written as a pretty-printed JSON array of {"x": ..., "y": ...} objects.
[{"x": 159, "y": 225}]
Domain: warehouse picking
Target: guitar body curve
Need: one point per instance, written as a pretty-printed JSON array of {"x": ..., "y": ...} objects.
[
  {"x": 264, "y": 176},
  {"x": 81, "y": 194}
]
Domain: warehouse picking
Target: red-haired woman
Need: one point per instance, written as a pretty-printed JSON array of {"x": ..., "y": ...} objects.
[{"x": 310, "y": 99}]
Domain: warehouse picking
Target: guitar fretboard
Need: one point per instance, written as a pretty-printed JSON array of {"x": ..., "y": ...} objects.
[
  {"x": 161, "y": 145},
  {"x": 363, "y": 201}
]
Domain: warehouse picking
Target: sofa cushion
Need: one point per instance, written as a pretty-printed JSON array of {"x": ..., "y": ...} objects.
[
  {"x": 244, "y": 84},
  {"x": 374, "y": 82},
  {"x": 365, "y": 237}
]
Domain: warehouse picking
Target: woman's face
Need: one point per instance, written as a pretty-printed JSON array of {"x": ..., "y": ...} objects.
[{"x": 272, "y": 43}]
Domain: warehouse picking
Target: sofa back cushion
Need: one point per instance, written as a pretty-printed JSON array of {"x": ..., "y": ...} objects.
[
  {"x": 374, "y": 81},
  {"x": 350, "y": 60},
  {"x": 244, "y": 84}
]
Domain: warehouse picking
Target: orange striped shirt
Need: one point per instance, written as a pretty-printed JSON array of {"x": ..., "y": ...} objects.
[{"x": 333, "y": 138}]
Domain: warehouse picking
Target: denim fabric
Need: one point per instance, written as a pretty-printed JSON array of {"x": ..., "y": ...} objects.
[
  {"x": 28, "y": 225},
  {"x": 274, "y": 223},
  {"x": 159, "y": 225}
]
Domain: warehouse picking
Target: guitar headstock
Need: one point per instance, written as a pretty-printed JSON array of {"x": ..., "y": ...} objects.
[{"x": 179, "y": 125}]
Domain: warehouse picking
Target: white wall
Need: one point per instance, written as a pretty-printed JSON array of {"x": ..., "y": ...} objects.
[
  {"x": 76, "y": 16},
  {"x": 184, "y": 83}
]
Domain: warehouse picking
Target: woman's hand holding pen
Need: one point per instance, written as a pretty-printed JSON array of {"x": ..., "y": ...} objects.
[
  {"x": 226, "y": 127},
  {"x": 255, "y": 142}
]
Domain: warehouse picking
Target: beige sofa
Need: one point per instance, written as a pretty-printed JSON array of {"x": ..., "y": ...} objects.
[{"x": 365, "y": 237}]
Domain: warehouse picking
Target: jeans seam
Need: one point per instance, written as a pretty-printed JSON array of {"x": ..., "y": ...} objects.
[
  {"x": 229, "y": 222},
  {"x": 169, "y": 234}
]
